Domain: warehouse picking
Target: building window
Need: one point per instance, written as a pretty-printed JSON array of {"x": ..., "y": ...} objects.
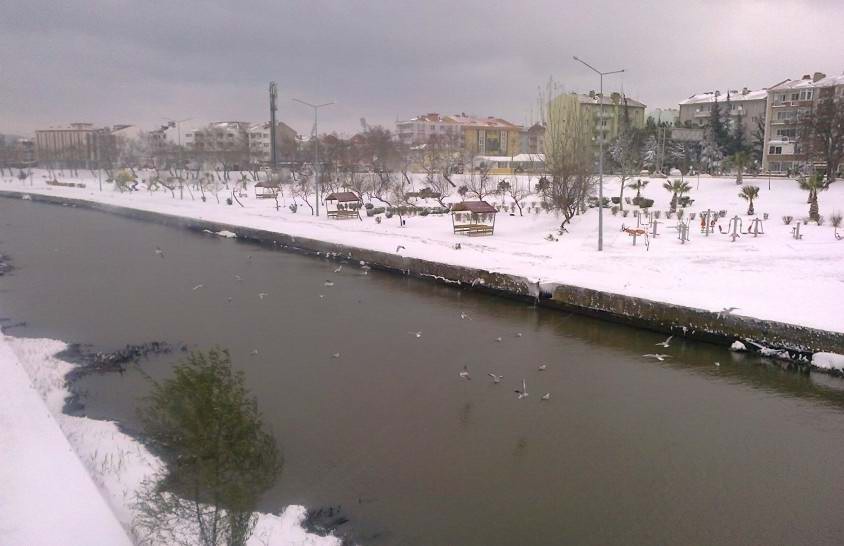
[
  {"x": 806, "y": 94},
  {"x": 775, "y": 150}
]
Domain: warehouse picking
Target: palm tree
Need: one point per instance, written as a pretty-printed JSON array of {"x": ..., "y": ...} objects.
[
  {"x": 813, "y": 184},
  {"x": 677, "y": 188},
  {"x": 740, "y": 159},
  {"x": 749, "y": 193},
  {"x": 638, "y": 185}
]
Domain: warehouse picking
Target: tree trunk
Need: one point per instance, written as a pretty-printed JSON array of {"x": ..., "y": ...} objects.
[
  {"x": 750, "y": 208},
  {"x": 813, "y": 207}
]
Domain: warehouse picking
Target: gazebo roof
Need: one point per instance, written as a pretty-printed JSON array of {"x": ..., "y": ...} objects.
[
  {"x": 477, "y": 207},
  {"x": 342, "y": 197},
  {"x": 266, "y": 184}
]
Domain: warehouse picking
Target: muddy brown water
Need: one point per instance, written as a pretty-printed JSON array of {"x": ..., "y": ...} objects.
[{"x": 627, "y": 451}]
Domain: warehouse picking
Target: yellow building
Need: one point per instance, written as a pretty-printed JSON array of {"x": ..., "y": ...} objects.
[{"x": 488, "y": 136}]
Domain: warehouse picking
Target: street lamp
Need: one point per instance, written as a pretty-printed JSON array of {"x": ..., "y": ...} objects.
[
  {"x": 316, "y": 108},
  {"x": 601, "y": 156}
]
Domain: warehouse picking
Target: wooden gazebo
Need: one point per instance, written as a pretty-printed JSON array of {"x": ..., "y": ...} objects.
[
  {"x": 266, "y": 189},
  {"x": 473, "y": 218},
  {"x": 343, "y": 205}
]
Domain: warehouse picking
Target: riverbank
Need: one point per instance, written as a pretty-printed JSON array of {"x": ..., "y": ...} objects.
[
  {"x": 673, "y": 288},
  {"x": 72, "y": 480}
]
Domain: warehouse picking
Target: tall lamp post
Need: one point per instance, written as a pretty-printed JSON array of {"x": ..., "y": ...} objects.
[
  {"x": 316, "y": 108},
  {"x": 601, "y": 152}
]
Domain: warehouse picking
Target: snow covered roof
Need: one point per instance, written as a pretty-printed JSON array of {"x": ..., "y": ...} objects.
[
  {"x": 490, "y": 121},
  {"x": 735, "y": 96},
  {"x": 342, "y": 197},
  {"x": 518, "y": 157},
  {"x": 830, "y": 81},
  {"x": 608, "y": 100},
  {"x": 477, "y": 207}
]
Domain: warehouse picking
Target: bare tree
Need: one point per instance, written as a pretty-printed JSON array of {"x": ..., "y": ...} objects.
[
  {"x": 568, "y": 154},
  {"x": 822, "y": 131}
]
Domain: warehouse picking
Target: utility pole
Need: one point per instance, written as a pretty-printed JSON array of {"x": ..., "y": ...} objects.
[
  {"x": 273, "y": 151},
  {"x": 316, "y": 108},
  {"x": 601, "y": 152}
]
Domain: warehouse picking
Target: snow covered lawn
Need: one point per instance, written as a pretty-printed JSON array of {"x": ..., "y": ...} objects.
[
  {"x": 772, "y": 276},
  {"x": 72, "y": 480}
]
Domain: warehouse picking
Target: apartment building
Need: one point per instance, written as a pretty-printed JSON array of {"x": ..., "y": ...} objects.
[
  {"x": 74, "y": 145},
  {"x": 748, "y": 105},
  {"x": 532, "y": 139},
  {"x": 472, "y": 135},
  {"x": 260, "y": 141},
  {"x": 790, "y": 100},
  {"x": 419, "y": 130}
]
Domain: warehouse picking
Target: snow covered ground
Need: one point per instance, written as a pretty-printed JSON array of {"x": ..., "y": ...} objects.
[
  {"x": 772, "y": 276},
  {"x": 72, "y": 480}
]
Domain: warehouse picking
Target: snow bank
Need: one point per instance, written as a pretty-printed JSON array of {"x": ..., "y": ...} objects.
[
  {"x": 763, "y": 277},
  {"x": 46, "y": 495},
  {"x": 828, "y": 361},
  {"x": 738, "y": 346},
  {"x": 54, "y": 499}
]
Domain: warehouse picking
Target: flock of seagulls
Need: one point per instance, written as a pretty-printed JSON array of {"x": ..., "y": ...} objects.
[
  {"x": 667, "y": 344},
  {"x": 496, "y": 378}
]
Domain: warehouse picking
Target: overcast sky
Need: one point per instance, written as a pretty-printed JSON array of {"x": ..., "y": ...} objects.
[{"x": 138, "y": 62}]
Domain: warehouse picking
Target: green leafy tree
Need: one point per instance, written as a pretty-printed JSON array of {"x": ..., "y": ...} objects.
[
  {"x": 814, "y": 184},
  {"x": 749, "y": 193},
  {"x": 677, "y": 188},
  {"x": 218, "y": 458}
]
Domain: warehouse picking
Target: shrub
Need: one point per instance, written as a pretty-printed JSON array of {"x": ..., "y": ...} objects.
[
  {"x": 787, "y": 220},
  {"x": 806, "y": 220},
  {"x": 692, "y": 215},
  {"x": 368, "y": 206},
  {"x": 424, "y": 212},
  {"x": 835, "y": 219},
  {"x": 646, "y": 203},
  {"x": 388, "y": 214},
  {"x": 657, "y": 214},
  {"x": 293, "y": 208},
  {"x": 624, "y": 213},
  {"x": 614, "y": 211},
  {"x": 764, "y": 215},
  {"x": 229, "y": 201},
  {"x": 820, "y": 220},
  {"x": 680, "y": 214}
]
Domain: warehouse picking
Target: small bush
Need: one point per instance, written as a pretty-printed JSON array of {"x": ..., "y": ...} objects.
[
  {"x": 646, "y": 203},
  {"x": 657, "y": 214},
  {"x": 692, "y": 215},
  {"x": 293, "y": 208},
  {"x": 229, "y": 201},
  {"x": 377, "y": 219},
  {"x": 388, "y": 214},
  {"x": 424, "y": 212},
  {"x": 624, "y": 213},
  {"x": 805, "y": 220},
  {"x": 764, "y": 215},
  {"x": 680, "y": 214},
  {"x": 614, "y": 211},
  {"x": 787, "y": 220},
  {"x": 368, "y": 206},
  {"x": 835, "y": 219},
  {"x": 820, "y": 220}
]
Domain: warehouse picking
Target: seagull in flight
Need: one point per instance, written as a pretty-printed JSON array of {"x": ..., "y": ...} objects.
[
  {"x": 717, "y": 364},
  {"x": 399, "y": 248},
  {"x": 523, "y": 393},
  {"x": 339, "y": 268},
  {"x": 197, "y": 287},
  {"x": 465, "y": 316},
  {"x": 727, "y": 311},
  {"x": 657, "y": 356},
  {"x": 464, "y": 374},
  {"x": 546, "y": 396},
  {"x": 519, "y": 334},
  {"x": 229, "y": 299},
  {"x": 496, "y": 378},
  {"x": 335, "y": 355},
  {"x": 417, "y": 334},
  {"x": 159, "y": 252},
  {"x": 238, "y": 278},
  {"x": 262, "y": 295},
  {"x": 498, "y": 339},
  {"x": 254, "y": 352},
  {"x": 665, "y": 343},
  {"x": 542, "y": 367},
  {"x": 329, "y": 283}
]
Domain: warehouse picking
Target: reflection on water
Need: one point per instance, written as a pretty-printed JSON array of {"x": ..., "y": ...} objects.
[{"x": 627, "y": 451}]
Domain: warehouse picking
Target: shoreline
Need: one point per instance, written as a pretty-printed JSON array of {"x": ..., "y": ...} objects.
[{"x": 771, "y": 338}]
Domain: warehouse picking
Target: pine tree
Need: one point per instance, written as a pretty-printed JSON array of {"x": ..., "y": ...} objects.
[
  {"x": 649, "y": 153},
  {"x": 710, "y": 155},
  {"x": 758, "y": 146},
  {"x": 737, "y": 141},
  {"x": 716, "y": 126}
]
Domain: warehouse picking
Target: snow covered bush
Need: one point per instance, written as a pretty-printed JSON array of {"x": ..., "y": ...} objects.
[
  {"x": 787, "y": 220},
  {"x": 835, "y": 219},
  {"x": 820, "y": 220}
]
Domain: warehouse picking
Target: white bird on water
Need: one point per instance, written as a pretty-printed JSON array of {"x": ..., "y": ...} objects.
[
  {"x": 464, "y": 374},
  {"x": 546, "y": 396},
  {"x": 417, "y": 334},
  {"x": 465, "y": 316},
  {"x": 159, "y": 252},
  {"x": 665, "y": 343},
  {"x": 717, "y": 364},
  {"x": 659, "y": 357},
  {"x": 498, "y": 339},
  {"x": 523, "y": 393},
  {"x": 254, "y": 352},
  {"x": 335, "y": 355},
  {"x": 238, "y": 278},
  {"x": 495, "y": 378},
  {"x": 339, "y": 268},
  {"x": 329, "y": 283},
  {"x": 262, "y": 295},
  {"x": 542, "y": 367},
  {"x": 519, "y": 334},
  {"x": 197, "y": 287}
]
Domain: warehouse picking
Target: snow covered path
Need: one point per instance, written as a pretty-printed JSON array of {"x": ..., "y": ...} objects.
[
  {"x": 770, "y": 277},
  {"x": 46, "y": 495}
]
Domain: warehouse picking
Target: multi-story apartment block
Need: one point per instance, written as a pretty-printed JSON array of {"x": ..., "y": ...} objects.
[
  {"x": 222, "y": 137},
  {"x": 608, "y": 112},
  {"x": 532, "y": 139},
  {"x": 419, "y": 130},
  {"x": 260, "y": 141},
  {"x": 74, "y": 145},
  {"x": 749, "y": 106},
  {"x": 472, "y": 135},
  {"x": 790, "y": 101}
]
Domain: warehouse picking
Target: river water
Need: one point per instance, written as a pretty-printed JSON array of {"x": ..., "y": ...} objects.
[{"x": 628, "y": 450}]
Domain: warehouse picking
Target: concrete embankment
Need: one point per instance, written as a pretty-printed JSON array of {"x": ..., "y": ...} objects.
[{"x": 773, "y": 338}]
